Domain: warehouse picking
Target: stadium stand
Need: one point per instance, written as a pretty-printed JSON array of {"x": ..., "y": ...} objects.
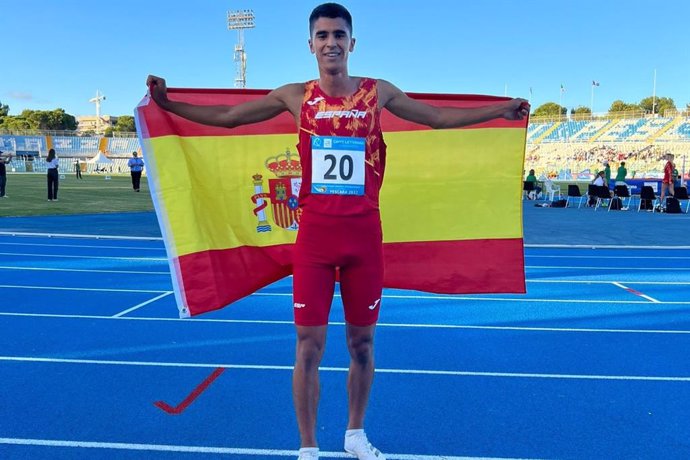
[
  {"x": 535, "y": 130},
  {"x": 122, "y": 146},
  {"x": 563, "y": 150},
  {"x": 23, "y": 145},
  {"x": 565, "y": 132},
  {"x": 590, "y": 129},
  {"x": 680, "y": 132},
  {"x": 75, "y": 147}
]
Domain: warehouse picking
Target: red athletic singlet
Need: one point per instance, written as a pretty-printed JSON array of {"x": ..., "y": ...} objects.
[
  {"x": 340, "y": 231},
  {"x": 353, "y": 116}
]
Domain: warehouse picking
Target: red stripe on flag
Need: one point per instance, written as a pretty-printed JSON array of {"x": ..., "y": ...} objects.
[
  {"x": 162, "y": 123},
  {"x": 456, "y": 267},
  {"x": 214, "y": 279}
]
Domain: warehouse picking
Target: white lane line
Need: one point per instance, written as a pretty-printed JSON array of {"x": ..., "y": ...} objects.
[
  {"x": 336, "y": 323},
  {"x": 84, "y": 246},
  {"x": 76, "y": 256},
  {"x": 489, "y": 299},
  {"x": 265, "y": 367},
  {"x": 672, "y": 283},
  {"x": 80, "y": 270},
  {"x": 136, "y": 307},
  {"x": 215, "y": 450},
  {"x": 393, "y": 296},
  {"x": 61, "y": 288},
  {"x": 637, "y": 293},
  {"x": 602, "y": 246},
  {"x": 650, "y": 269},
  {"x": 607, "y": 257},
  {"x": 92, "y": 237}
]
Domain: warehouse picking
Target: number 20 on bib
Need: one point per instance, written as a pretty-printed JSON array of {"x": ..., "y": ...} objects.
[{"x": 337, "y": 165}]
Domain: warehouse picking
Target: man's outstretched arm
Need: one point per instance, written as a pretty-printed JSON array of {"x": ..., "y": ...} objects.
[
  {"x": 403, "y": 106},
  {"x": 273, "y": 104}
]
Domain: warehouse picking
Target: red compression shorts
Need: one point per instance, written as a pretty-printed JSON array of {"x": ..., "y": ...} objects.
[{"x": 352, "y": 244}]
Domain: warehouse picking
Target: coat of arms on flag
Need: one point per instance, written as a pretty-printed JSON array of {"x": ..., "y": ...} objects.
[{"x": 283, "y": 193}]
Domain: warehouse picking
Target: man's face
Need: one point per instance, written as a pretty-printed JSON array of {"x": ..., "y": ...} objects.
[{"x": 331, "y": 43}]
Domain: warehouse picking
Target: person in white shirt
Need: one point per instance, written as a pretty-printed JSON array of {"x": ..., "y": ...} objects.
[{"x": 53, "y": 178}]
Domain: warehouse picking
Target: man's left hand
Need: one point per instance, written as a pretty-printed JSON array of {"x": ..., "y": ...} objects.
[{"x": 517, "y": 109}]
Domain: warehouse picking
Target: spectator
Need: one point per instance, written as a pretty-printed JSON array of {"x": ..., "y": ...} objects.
[
  {"x": 621, "y": 174},
  {"x": 536, "y": 193},
  {"x": 667, "y": 181},
  {"x": 600, "y": 179},
  {"x": 77, "y": 168},
  {"x": 3, "y": 173},
  {"x": 136, "y": 165},
  {"x": 607, "y": 172},
  {"x": 53, "y": 179}
]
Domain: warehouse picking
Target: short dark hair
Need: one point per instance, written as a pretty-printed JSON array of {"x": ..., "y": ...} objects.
[{"x": 330, "y": 10}]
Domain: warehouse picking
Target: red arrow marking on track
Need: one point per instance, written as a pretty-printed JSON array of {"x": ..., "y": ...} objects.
[{"x": 192, "y": 396}]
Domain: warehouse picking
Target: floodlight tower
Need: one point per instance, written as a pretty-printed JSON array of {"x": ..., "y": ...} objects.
[
  {"x": 240, "y": 20},
  {"x": 97, "y": 100}
]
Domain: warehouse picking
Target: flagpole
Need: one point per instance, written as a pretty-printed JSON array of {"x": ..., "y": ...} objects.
[
  {"x": 591, "y": 101},
  {"x": 654, "y": 94}
]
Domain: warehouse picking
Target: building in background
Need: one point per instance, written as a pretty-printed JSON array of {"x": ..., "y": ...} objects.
[{"x": 89, "y": 123}]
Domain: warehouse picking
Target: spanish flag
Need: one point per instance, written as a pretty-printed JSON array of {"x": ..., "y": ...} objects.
[{"x": 226, "y": 201}]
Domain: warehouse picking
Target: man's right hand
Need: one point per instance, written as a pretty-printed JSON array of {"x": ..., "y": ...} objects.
[{"x": 158, "y": 90}]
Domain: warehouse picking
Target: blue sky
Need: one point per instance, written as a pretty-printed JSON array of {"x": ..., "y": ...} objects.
[{"x": 58, "y": 53}]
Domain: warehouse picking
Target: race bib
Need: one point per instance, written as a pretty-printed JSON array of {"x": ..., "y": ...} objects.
[{"x": 337, "y": 165}]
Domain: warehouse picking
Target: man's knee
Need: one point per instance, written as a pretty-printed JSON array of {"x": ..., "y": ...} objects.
[
  {"x": 310, "y": 346},
  {"x": 361, "y": 346}
]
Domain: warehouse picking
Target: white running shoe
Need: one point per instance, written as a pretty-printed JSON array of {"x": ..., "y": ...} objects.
[
  {"x": 311, "y": 454},
  {"x": 359, "y": 446}
]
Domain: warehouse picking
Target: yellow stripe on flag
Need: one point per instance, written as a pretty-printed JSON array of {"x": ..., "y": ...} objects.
[{"x": 443, "y": 177}]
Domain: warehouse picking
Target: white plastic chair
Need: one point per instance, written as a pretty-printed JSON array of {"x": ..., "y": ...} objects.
[{"x": 551, "y": 190}]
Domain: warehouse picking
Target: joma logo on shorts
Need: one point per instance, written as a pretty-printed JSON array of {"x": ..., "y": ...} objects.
[
  {"x": 341, "y": 114},
  {"x": 300, "y": 305}
]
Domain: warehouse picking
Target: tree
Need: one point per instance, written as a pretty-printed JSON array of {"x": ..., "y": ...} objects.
[
  {"x": 581, "y": 113},
  {"x": 4, "y": 110},
  {"x": 660, "y": 104},
  {"x": 55, "y": 120},
  {"x": 619, "y": 106},
  {"x": 15, "y": 123},
  {"x": 125, "y": 124},
  {"x": 550, "y": 109}
]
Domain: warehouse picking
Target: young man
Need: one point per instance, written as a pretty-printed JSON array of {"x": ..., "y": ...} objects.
[
  {"x": 667, "y": 181},
  {"x": 607, "y": 172},
  {"x": 77, "y": 168},
  {"x": 621, "y": 174},
  {"x": 3, "y": 173},
  {"x": 136, "y": 165},
  {"x": 340, "y": 230}
]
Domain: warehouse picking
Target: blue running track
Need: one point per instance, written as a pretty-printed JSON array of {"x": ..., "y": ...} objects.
[{"x": 591, "y": 364}]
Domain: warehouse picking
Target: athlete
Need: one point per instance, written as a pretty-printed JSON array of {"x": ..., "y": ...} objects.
[
  {"x": 667, "y": 181},
  {"x": 343, "y": 157}
]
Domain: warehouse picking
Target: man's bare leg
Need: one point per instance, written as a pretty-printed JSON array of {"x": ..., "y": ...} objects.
[
  {"x": 311, "y": 341},
  {"x": 360, "y": 343}
]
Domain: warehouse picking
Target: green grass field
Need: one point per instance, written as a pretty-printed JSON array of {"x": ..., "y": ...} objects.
[{"x": 28, "y": 195}]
